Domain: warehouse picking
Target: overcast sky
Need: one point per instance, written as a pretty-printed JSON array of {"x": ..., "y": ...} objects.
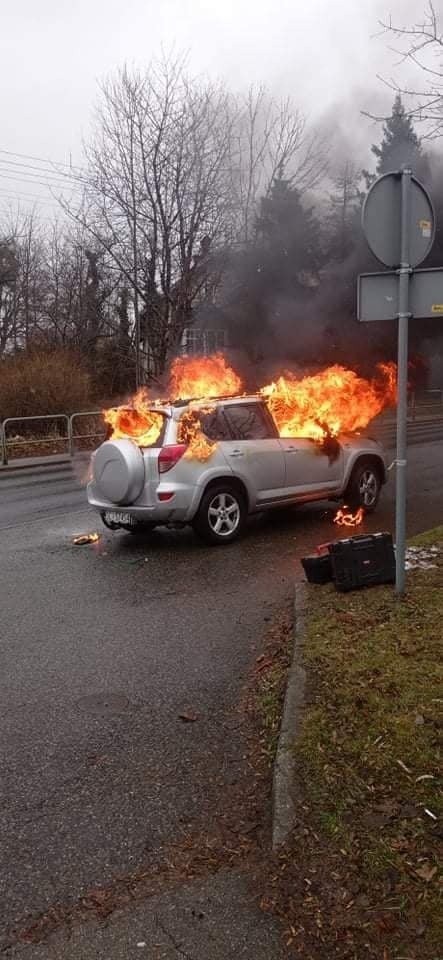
[{"x": 53, "y": 52}]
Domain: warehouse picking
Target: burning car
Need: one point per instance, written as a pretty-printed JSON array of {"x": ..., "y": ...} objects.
[{"x": 213, "y": 460}]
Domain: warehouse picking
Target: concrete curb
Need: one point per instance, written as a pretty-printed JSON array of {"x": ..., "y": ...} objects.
[
  {"x": 42, "y": 464},
  {"x": 31, "y": 464},
  {"x": 284, "y": 776}
]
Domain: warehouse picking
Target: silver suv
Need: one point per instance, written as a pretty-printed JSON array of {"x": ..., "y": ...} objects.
[{"x": 251, "y": 468}]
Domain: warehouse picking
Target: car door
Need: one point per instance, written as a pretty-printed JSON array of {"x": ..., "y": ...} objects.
[
  {"x": 254, "y": 453},
  {"x": 312, "y": 468}
]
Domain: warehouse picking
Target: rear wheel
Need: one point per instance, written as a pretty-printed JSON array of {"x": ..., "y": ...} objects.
[
  {"x": 221, "y": 515},
  {"x": 364, "y": 487}
]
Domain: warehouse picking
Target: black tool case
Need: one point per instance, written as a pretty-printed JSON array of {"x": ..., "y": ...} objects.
[
  {"x": 363, "y": 561},
  {"x": 318, "y": 568}
]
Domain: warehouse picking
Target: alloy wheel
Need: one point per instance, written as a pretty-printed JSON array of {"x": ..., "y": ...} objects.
[
  {"x": 224, "y": 514},
  {"x": 368, "y": 488}
]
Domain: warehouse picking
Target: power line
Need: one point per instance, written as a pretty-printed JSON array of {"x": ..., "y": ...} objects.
[
  {"x": 27, "y": 175},
  {"x": 27, "y": 179},
  {"x": 31, "y": 199},
  {"x": 22, "y": 193},
  {"x": 33, "y": 166},
  {"x": 27, "y": 156}
]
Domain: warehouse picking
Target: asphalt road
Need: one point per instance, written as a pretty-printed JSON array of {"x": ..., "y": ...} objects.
[{"x": 102, "y": 647}]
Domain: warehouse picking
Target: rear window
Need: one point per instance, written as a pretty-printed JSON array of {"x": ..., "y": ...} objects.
[
  {"x": 249, "y": 421},
  {"x": 147, "y": 428}
]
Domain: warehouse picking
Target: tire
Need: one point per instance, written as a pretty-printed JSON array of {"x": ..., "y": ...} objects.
[
  {"x": 364, "y": 487},
  {"x": 221, "y": 515}
]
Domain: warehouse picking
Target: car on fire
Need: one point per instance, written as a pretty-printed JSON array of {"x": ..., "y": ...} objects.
[{"x": 233, "y": 462}]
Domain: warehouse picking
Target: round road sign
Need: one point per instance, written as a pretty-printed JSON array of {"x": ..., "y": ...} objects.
[{"x": 381, "y": 220}]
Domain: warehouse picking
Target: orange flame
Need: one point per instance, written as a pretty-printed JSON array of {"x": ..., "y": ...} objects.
[
  {"x": 334, "y": 401},
  {"x": 318, "y": 406},
  {"x": 84, "y": 538},
  {"x": 349, "y": 519},
  {"x": 137, "y": 421},
  {"x": 190, "y": 432},
  {"x": 202, "y": 377}
]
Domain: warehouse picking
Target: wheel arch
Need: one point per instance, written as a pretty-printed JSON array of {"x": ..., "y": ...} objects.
[{"x": 231, "y": 481}]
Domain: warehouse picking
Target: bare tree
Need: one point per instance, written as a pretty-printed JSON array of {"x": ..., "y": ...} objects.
[
  {"x": 21, "y": 283},
  {"x": 422, "y": 46},
  {"x": 271, "y": 135},
  {"x": 54, "y": 288},
  {"x": 158, "y": 183},
  {"x": 8, "y": 277},
  {"x": 174, "y": 173},
  {"x": 345, "y": 201}
]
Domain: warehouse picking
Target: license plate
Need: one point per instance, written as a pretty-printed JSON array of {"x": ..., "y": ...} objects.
[{"x": 114, "y": 517}]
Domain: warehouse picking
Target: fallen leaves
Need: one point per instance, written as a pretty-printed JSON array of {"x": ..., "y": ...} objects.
[{"x": 426, "y": 872}]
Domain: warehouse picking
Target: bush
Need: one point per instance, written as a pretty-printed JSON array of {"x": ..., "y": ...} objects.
[{"x": 41, "y": 382}]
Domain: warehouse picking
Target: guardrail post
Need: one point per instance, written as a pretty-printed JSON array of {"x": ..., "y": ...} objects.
[
  {"x": 70, "y": 437},
  {"x": 3, "y": 444}
]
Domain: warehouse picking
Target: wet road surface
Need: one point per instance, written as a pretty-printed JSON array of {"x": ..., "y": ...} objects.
[{"x": 103, "y": 647}]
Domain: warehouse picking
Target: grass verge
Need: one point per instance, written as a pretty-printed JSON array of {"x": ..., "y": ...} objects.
[{"x": 360, "y": 876}]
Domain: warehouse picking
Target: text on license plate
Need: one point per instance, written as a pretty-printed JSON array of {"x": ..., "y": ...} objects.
[{"x": 114, "y": 517}]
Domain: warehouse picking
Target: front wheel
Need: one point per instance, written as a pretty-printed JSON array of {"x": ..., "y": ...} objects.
[
  {"x": 364, "y": 487},
  {"x": 221, "y": 515}
]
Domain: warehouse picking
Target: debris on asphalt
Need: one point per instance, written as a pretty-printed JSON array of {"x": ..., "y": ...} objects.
[
  {"x": 85, "y": 538},
  {"x": 188, "y": 716}
]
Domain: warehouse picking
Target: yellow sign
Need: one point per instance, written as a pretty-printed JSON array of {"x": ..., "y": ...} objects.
[
  {"x": 425, "y": 227},
  {"x": 437, "y": 308}
]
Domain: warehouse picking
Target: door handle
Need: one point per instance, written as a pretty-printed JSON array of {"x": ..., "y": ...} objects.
[
  {"x": 236, "y": 453},
  {"x": 291, "y": 449}
]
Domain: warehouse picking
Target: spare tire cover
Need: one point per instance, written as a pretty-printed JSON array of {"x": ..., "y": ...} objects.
[{"x": 119, "y": 471}]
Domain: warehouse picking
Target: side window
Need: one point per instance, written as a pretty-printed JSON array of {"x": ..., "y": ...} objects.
[
  {"x": 248, "y": 421},
  {"x": 214, "y": 425}
]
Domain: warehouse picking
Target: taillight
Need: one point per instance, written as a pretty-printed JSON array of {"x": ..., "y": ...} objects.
[{"x": 169, "y": 456}]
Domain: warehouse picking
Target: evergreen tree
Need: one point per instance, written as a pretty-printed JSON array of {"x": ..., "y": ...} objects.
[
  {"x": 288, "y": 238},
  {"x": 400, "y": 145},
  {"x": 275, "y": 277}
]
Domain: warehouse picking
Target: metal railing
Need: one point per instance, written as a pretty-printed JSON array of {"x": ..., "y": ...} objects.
[
  {"x": 95, "y": 435},
  {"x": 425, "y": 402},
  {"x": 70, "y": 436},
  {"x": 424, "y": 406}
]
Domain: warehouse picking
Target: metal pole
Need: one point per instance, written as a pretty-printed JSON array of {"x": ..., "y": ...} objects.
[
  {"x": 3, "y": 445},
  {"x": 137, "y": 339},
  {"x": 402, "y": 385}
]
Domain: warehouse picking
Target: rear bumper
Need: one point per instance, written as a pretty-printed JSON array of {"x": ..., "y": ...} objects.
[{"x": 181, "y": 508}]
